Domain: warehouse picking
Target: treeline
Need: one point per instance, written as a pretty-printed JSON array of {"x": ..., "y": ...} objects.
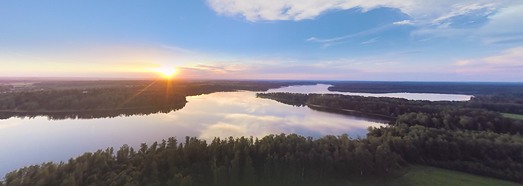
[
  {"x": 385, "y": 106},
  {"x": 272, "y": 160},
  {"x": 285, "y": 159},
  {"x": 91, "y": 114},
  {"x": 208, "y": 86},
  {"x": 185, "y": 87},
  {"x": 499, "y": 103},
  {"x": 464, "y": 119},
  {"x": 90, "y": 99},
  {"x": 88, "y": 103},
  {"x": 445, "y": 134},
  {"x": 295, "y": 99},
  {"x": 99, "y": 99},
  {"x": 479, "y": 152},
  {"x": 470, "y": 88},
  {"x": 442, "y": 114}
]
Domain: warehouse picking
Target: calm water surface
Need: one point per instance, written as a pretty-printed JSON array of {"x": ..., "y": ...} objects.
[
  {"x": 33, "y": 141},
  {"x": 322, "y": 89}
]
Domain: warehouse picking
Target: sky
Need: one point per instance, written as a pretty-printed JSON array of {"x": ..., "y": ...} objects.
[{"x": 379, "y": 40}]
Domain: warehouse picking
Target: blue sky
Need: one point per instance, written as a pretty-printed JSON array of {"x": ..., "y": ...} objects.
[{"x": 404, "y": 40}]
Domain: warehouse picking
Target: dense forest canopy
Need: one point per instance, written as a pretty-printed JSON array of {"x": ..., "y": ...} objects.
[
  {"x": 272, "y": 160},
  {"x": 468, "y": 136}
]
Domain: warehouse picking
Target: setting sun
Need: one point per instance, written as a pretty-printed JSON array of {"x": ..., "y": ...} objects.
[{"x": 167, "y": 72}]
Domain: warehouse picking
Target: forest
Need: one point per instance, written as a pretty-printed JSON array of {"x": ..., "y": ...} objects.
[
  {"x": 88, "y": 103},
  {"x": 285, "y": 159},
  {"x": 468, "y": 136},
  {"x": 471, "y": 136},
  {"x": 272, "y": 160},
  {"x": 93, "y": 99},
  {"x": 476, "y": 114}
]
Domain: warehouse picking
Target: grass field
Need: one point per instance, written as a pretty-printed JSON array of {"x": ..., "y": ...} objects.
[
  {"x": 513, "y": 116},
  {"x": 426, "y": 176}
]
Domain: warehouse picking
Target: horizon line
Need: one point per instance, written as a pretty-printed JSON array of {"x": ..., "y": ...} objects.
[{"x": 72, "y": 78}]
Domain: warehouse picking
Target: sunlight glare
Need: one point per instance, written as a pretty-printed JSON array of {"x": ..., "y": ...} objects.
[{"x": 167, "y": 72}]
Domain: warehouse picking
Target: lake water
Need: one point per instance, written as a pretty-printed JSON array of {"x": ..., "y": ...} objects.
[
  {"x": 33, "y": 141},
  {"x": 323, "y": 89}
]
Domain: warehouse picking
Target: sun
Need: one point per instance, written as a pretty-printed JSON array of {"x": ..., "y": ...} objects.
[{"x": 167, "y": 72}]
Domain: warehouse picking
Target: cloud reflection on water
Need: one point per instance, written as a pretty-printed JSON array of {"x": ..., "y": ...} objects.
[
  {"x": 242, "y": 114},
  {"x": 37, "y": 140}
]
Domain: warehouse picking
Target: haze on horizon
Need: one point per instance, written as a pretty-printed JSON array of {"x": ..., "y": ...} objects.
[{"x": 398, "y": 40}]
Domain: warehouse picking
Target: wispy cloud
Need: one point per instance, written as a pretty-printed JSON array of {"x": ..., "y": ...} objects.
[
  {"x": 327, "y": 42},
  {"x": 507, "y": 63},
  {"x": 491, "y": 22},
  {"x": 436, "y": 11},
  {"x": 370, "y": 41},
  {"x": 483, "y": 9},
  {"x": 178, "y": 49},
  {"x": 498, "y": 26},
  {"x": 503, "y": 27}
]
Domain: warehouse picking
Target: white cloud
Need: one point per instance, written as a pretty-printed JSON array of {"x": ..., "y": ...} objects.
[
  {"x": 427, "y": 11},
  {"x": 404, "y": 22}
]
